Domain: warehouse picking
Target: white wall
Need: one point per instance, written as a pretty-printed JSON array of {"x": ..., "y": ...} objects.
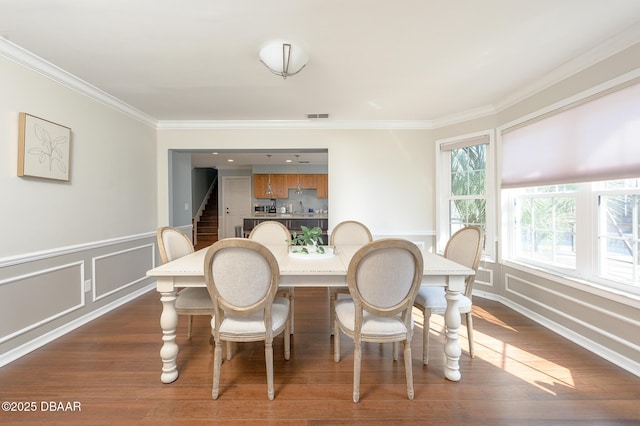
[
  {"x": 112, "y": 192},
  {"x": 384, "y": 178},
  {"x": 71, "y": 251}
]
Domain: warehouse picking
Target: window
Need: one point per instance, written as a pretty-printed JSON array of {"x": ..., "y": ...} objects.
[
  {"x": 571, "y": 186},
  {"x": 545, "y": 225},
  {"x": 590, "y": 231},
  {"x": 618, "y": 236},
  {"x": 465, "y": 187}
]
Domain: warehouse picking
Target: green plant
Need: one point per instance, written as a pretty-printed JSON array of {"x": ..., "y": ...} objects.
[{"x": 308, "y": 237}]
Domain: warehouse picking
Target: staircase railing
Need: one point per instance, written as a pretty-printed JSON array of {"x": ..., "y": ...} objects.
[{"x": 198, "y": 214}]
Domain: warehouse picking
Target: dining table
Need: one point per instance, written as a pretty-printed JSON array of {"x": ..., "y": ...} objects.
[{"x": 302, "y": 270}]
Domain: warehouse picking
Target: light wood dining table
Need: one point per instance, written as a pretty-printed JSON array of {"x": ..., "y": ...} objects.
[{"x": 301, "y": 271}]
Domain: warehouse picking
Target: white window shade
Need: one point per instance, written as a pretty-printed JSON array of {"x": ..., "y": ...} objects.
[
  {"x": 598, "y": 140},
  {"x": 465, "y": 143}
]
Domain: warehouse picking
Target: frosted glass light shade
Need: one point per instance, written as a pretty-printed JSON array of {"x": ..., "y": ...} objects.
[{"x": 284, "y": 58}]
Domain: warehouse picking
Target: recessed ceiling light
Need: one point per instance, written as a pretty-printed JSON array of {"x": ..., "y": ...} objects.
[
  {"x": 214, "y": 153},
  {"x": 288, "y": 161},
  {"x": 230, "y": 160}
]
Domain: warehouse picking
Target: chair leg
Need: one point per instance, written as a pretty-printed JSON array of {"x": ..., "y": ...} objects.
[
  {"x": 291, "y": 302},
  {"x": 408, "y": 368},
  {"x": 332, "y": 306},
  {"x": 217, "y": 364},
  {"x": 189, "y": 325},
  {"x": 357, "y": 359},
  {"x": 287, "y": 342},
  {"x": 336, "y": 341},
  {"x": 426, "y": 314},
  {"x": 229, "y": 351},
  {"x": 395, "y": 350},
  {"x": 472, "y": 353},
  {"x": 268, "y": 354}
]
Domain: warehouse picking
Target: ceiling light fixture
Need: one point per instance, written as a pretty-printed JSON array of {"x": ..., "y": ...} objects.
[{"x": 284, "y": 58}]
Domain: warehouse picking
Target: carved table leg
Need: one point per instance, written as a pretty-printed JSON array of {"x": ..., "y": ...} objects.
[
  {"x": 169, "y": 350},
  {"x": 451, "y": 347}
]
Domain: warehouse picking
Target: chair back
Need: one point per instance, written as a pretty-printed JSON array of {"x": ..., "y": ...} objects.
[
  {"x": 465, "y": 247},
  {"x": 270, "y": 233},
  {"x": 173, "y": 244},
  {"x": 350, "y": 232},
  {"x": 384, "y": 277},
  {"x": 242, "y": 277}
]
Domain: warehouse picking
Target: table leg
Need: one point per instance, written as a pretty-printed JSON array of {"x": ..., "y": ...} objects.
[
  {"x": 169, "y": 350},
  {"x": 452, "y": 349}
]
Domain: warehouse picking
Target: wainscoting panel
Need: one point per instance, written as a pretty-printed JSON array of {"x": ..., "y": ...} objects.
[
  {"x": 484, "y": 277},
  {"x": 43, "y": 294},
  {"x": 119, "y": 270},
  {"x": 30, "y": 300},
  {"x": 604, "y": 326}
]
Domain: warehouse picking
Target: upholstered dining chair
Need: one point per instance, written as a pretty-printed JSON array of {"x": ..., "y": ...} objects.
[
  {"x": 383, "y": 278},
  {"x": 173, "y": 244},
  {"x": 242, "y": 278},
  {"x": 464, "y": 247},
  {"x": 349, "y": 232},
  {"x": 273, "y": 233}
]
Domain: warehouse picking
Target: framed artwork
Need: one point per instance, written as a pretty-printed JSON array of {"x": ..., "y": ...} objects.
[{"x": 44, "y": 148}]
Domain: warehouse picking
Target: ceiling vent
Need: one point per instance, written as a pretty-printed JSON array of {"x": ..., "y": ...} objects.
[{"x": 311, "y": 116}]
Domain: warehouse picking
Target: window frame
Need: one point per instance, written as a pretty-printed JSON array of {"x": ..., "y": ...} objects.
[
  {"x": 443, "y": 188},
  {"x": 587, "y": 269}
]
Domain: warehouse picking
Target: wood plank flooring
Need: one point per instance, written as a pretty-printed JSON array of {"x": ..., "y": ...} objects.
[{"x": 523, "y": 374}]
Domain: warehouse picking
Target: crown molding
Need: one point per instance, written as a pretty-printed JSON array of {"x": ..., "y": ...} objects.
[
  {"x": 610, "y": 47},
  {"x": 599, "y": 53},
  {"x": 294, "y": 124},
  {"x": 23, "y": 57}
]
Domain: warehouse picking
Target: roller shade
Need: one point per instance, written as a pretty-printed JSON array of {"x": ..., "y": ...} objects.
[
  {"x": 466, "y": 142},
  {"x": 598, "y": 140}
]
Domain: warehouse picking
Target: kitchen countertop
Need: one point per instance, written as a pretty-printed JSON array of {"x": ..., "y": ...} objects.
[{"x": 290, "y": 215}]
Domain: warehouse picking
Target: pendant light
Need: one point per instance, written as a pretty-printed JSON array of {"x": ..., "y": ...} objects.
[
  {"x": 298, "y": 187},
  {"x": 269, "y": 190}
]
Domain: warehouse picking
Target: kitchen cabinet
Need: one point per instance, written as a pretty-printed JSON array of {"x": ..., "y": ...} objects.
[
  {"x": 322, "y": 186},
  {"x": 306, "y": 181},
  {"x": 278, "y": 185}
]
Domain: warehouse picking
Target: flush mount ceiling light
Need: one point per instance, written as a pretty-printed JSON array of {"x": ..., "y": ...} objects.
[{"x": 284, "y": 58}]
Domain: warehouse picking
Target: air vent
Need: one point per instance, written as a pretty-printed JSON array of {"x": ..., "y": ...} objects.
[{"x": 310, "y": 116}]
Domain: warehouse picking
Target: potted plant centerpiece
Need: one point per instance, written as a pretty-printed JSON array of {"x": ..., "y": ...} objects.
[{"x": 309, "y": 240}]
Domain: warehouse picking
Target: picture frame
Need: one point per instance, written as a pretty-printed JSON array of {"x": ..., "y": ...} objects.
[{"x": 44, "y": 148}]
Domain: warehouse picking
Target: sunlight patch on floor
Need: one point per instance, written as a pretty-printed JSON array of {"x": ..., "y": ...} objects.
[{"x": 542, "y": 373}]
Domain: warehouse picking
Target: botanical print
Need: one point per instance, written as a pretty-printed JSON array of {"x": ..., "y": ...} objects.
[{"x": 44, "y": 148}]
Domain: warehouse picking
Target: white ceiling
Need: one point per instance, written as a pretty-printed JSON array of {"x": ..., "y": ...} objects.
[{"x": 423, "y": 61}]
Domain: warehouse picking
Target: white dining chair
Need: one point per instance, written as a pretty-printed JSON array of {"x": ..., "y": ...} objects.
[
  {"x": 383, "y": 278},
  {"x": 242, "y": 278},
  {"x": 273, "y": 233},
  {"x": 173, "y": 244},
  {"x": 464, "y": 247},
  {"x": 348, "y": 232}
]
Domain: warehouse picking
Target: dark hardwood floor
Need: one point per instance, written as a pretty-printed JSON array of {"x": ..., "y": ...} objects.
[{"x": 523, "y": 374}]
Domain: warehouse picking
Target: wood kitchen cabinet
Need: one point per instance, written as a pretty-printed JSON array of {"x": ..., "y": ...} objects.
[
  {"x": 306, "y": 181},
  {"x": 278, "y": 185},
  {"x": 322, "y": 186}
]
